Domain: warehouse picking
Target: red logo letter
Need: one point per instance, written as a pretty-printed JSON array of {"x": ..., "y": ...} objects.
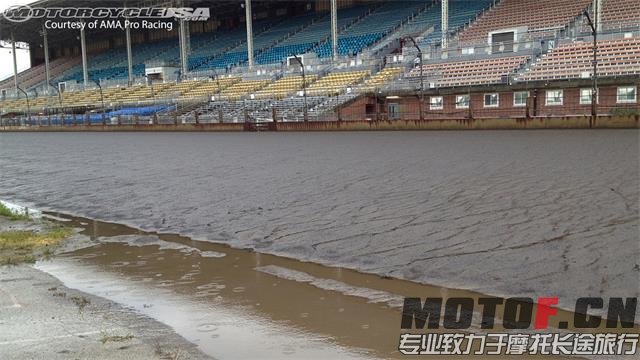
[{"x": 544, "y": 310}]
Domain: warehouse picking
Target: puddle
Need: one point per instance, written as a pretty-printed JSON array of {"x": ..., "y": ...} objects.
[{"x": 236, "y": 303}]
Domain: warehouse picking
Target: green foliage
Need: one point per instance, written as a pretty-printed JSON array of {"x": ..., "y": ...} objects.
[{"x": 12, "y": 215}]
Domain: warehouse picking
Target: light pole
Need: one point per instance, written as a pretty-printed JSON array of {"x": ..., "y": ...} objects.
[
  {"x": 421, "y": 76},
  {"x": 150, "y": 83},
  {"x": 153, "y": 96},
  {"x": 594, "y": 90},
  {"x": 28, "y": 106},
  {"x": 304, "y": 87},
  {"x": 59, "y": 95},
  {"x": 104, "y": 121},
  {"x": 215, "y": 77}
]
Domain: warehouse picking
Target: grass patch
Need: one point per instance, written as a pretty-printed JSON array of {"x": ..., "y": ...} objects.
[
  {"x": 13, "y": 215},
  {"x": 18, "y": 246}
]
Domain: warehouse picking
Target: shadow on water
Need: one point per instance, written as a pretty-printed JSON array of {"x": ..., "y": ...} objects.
[{"x": 236, "y": 303}]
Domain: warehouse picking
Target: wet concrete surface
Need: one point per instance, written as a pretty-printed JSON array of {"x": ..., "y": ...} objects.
[
  {"x": 507, "y": 213},
  {"x": 40, "y": 319}
]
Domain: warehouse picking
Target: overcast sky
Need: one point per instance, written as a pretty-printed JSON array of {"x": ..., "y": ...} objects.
[{"x": 6, "y": 58}]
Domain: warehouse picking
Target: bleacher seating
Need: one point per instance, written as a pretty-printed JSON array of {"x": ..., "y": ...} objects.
[
  {"x": 175, "y": 90},
  {"x": 381, "y": 77},
  {"x": 206, "y": 88},
  {"x": 470, "y": 72},
  {"x": 36, "y": 75},
  {"x": 538, "y": 16},
  {"x": 337, "y": 82},
  {"x": 312, "y": 35},
  {"x": 370, "y": 29},
  {"x": 205, "y": 47},
  {"x": 284, "y": 87},
  {"x": 460, "y": 13},
  {"x": 615, "y": 58},
  {"x": 262, "y": 41},
  {"x": 243, "y": 88},
  {"x": 620, "y": 14}
]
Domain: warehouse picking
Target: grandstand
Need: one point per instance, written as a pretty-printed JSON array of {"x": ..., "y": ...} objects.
[{"x": 403, "y": 56}]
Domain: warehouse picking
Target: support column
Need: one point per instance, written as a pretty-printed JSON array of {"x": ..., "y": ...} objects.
[
  {"x": 445, "y": 24},
  {"x": 127, "y": 32},
  {"x": 45, "y": 46},
  {"x": 183, "y": 48},
  {"x": 15, "y": 62},
  {"x": 83, "y": 47},
  {"x": 597, "y": 8},
  {"x": 334, "y": 29},
  {"x": 187, "y": 38},
  {"x": 249, "y": 21}
]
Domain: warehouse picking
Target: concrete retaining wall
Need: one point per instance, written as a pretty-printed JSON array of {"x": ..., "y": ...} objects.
[{"x": 573, "y": 122}]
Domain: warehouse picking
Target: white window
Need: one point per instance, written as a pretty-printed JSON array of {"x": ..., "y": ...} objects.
[
  {"x": 491, "y": 100},
  {"x": 462, "y": 101},
  {"x": 520, "y": 98},
  {"x": 554, "y": 97},
  {"x": 585, "y": 96},
  {"x": 627, "y": 94},
  {"x": 435, "y": 103}
]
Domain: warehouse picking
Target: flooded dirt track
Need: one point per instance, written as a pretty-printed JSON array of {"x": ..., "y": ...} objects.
[{"x": 508, "y": 213}]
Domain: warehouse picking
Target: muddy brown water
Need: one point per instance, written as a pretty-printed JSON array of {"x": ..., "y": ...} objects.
[{"x": 235, "y": 303}]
